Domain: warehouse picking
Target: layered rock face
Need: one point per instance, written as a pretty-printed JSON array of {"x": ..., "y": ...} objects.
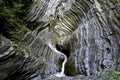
[
  {"x": 87, "y": 32},
  {"x": 34, "y": 59}
]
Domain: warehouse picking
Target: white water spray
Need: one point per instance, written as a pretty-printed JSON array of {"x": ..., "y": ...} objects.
[{"x": 59, "y": 74}]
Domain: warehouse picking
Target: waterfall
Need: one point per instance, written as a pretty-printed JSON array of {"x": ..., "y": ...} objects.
[
  {"x": 59, "y": 74},
  {"x": 90, "y": 29}
]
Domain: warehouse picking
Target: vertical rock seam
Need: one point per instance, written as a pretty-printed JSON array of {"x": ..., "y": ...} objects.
[{"x": 59, "y": 74}]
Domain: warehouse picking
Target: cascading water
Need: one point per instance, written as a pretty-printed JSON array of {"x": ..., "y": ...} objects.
[
  {"x": 86, "y": 31},
  {"x": 88, "y": 26},
  {"x": 59, "y": 74}
]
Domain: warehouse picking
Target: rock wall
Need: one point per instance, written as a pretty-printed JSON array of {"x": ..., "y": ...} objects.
[{"x": 86, "y": 31}]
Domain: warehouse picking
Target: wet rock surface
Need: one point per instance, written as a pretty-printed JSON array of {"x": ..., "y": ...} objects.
[{"x": 87, "y": 32}]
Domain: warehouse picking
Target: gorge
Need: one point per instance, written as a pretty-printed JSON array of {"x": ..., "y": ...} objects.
[
  {"x": 59, "y": 74},
  {"x": 59, "y": 39}
]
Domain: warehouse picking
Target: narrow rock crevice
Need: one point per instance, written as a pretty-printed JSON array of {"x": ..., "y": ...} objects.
[
  {"x": 63, "y": 50},
  {"x": 66, "y": 52}
]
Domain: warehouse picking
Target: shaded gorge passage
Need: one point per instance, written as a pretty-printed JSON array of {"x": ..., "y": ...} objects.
[
  {"x": 61, "y": 73},
  {"x": 63, "y": 40},
  {"x": 84, "y": 31}
]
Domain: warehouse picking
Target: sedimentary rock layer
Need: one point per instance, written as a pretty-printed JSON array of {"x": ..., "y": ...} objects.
[{"x": 86, "y": 31}]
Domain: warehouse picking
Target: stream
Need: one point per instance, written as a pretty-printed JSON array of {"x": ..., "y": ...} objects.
[{"x": 59, "y": 74}]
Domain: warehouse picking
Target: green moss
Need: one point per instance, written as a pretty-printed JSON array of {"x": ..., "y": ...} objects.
[
  {"x": 53, "y": 24},
  {"x": 112, "y": 75},
  {"x": 1, "y": 35},
  {"x": 70, "y": 68},
  {"x": 20, "y": 48}
]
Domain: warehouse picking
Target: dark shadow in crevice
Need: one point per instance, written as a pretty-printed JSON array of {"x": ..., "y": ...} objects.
[
  {"x": 63, "y": 50},
  {"x": 103, "y": 66}
]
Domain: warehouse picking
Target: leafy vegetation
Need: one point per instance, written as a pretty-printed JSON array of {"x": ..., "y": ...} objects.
[
  {"x": 12, "y": 15},
  {"x": 112, "y": 75}
]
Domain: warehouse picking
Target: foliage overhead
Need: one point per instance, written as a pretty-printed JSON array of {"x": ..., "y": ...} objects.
[{"x": 12, "y": 15}]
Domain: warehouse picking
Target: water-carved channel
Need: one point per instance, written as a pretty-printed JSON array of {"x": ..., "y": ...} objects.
[{"x": 59, "y": 74}]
